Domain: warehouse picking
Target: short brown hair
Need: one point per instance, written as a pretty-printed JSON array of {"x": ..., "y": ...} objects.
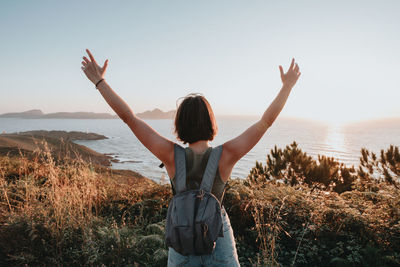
[{"x": 194, "y": 120}]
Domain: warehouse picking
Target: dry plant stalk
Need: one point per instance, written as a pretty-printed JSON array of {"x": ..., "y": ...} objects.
[
  {"x": 67, "y": 194},
  {"x": 268, "y": 227}
]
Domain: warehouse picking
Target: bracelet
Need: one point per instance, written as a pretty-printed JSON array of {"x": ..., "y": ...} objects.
[{"x": 99, "y": 82}]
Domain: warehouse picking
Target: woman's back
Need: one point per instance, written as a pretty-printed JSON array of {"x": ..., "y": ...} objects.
[{"x": 195, "y": 167}]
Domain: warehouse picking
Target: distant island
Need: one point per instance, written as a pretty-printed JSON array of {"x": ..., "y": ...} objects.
[
  {"x": 157, "y": 114},
  {"x": 38, "y": 114}
]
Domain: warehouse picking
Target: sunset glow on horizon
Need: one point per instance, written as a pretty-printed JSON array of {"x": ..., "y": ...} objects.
[{"x": 227, "y": 50}]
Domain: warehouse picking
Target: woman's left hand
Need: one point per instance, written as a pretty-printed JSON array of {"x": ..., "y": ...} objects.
[{"x": 92, "y": 70}]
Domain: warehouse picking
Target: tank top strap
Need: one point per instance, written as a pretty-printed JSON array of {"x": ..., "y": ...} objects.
[{"x": 211, "y": 169}]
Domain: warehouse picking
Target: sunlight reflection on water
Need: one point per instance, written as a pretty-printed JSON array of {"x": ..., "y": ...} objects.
[
  {"x": 335, "y": 143},
  {"x": 342, "y": 142}
]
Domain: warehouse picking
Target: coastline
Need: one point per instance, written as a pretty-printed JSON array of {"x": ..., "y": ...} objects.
[{"x": 61, "y": 145}]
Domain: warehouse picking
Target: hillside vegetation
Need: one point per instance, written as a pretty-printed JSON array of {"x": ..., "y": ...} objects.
[
  {"x": 292, "y": 210},
  {"x": 60, "y": 143}
]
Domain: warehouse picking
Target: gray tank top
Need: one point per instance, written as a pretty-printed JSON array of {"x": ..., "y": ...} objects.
[{"x": 195, "y": 167}]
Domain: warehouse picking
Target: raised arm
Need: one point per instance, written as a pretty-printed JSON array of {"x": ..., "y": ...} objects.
[
  {"x": 161, "y": 147},
  {"x": 236, "y": 148}
]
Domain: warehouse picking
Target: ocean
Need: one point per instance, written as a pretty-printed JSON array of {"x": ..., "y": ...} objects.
[{"x": 342, "y": 142}]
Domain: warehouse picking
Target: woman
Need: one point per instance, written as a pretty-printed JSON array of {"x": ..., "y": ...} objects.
[{"x": 195, "y": 108}]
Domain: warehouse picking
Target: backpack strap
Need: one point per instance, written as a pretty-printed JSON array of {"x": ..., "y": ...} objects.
[
  {"x": 211, "y": 169},
  {"x": 180, "y": 168}
]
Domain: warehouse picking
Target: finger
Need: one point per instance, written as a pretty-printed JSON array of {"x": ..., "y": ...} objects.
[
  {"x": 281, "y": 70},
  {"x": 291, "y": 64},
  {"x": 296, "y": 68},
  {"x": 84, "y": 63},
  {"x": 86, "y": 59},
  {"x": 83, "y": 68},
  {"x": 105, "y": 65},
  {"x": 90, "y": 55}
]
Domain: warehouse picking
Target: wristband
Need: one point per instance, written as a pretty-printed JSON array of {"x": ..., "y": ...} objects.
[{"x": 99, "y": 82}]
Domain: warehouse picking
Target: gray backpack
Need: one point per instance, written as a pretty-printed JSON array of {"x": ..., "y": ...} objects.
[{"x": 194, "y": 217}]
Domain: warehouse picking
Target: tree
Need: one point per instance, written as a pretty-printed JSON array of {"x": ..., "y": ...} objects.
[
  {"x": 383, "y": 169},
  {"x": 293, "y": 166}
]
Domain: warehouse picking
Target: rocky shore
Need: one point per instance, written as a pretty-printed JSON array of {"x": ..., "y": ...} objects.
[
  {"x": 60, "y": 146},
  {"x": 59, "y": 143}
]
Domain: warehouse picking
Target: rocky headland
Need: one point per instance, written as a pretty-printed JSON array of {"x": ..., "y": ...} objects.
[{"x": 59, "y": 143}]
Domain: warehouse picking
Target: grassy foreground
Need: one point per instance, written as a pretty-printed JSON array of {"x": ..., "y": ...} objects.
[{"x": 292, "y": 211}]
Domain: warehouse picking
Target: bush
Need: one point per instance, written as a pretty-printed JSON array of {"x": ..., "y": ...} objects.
[{"x": 286, "y": 213}]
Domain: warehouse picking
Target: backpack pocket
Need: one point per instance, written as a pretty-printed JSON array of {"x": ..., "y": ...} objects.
[
  {"x": 203, "y": 240},
  {"x": 181, "y": 239}
]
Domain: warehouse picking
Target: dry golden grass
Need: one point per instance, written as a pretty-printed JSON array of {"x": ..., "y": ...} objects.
[
  {"x": 72, "y": 212},
  {"x": 70, "y": 193}
]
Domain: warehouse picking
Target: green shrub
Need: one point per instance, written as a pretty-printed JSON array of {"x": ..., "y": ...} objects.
[{"x": 294, "y": 211}]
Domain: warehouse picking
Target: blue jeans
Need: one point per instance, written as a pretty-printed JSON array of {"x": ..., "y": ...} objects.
[{"x": 224, "y": 253}]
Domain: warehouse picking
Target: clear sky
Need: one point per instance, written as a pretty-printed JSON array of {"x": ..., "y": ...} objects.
[{"x": 348, "y": 52}]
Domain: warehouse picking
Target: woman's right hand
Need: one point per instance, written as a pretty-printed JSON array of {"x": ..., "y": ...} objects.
[
  {"x": 92, "y": 70},
  {"x": 291, "y": 76}
]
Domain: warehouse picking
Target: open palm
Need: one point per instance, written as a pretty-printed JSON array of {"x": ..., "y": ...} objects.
[
  {"x": 292, "y": 75},
  {"x": 92, "y": 70}
]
